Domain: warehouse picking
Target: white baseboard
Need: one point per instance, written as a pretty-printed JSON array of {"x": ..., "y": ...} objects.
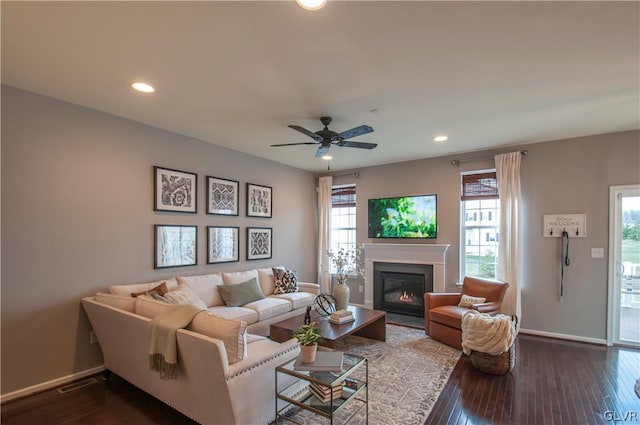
[
  {"x": 598, "y": 341},
  {"x": 49, "y": 384}
]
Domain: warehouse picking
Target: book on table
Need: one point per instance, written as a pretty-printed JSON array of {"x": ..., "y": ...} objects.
[
  {"x": 326, "y": 361},
  {"x": 325, "y": 394},
  {"x": 341, "y": 313},
  {"x": 341, "y": 320}
]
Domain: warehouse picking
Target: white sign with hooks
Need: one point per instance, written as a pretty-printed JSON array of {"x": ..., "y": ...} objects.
[{"x": 574, "y": 224}]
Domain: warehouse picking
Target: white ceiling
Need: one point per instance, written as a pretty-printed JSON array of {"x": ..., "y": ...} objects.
[{"x": 237, "y": 73}]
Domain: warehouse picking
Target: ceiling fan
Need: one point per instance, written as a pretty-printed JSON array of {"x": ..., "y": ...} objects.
[{"x": 325, "y": 137}]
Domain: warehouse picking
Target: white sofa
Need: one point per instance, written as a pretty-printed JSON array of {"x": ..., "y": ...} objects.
[{"x": 225, "y": 371}]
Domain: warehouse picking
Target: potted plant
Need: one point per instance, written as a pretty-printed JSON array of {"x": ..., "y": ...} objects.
[{"x": 308, "y": 336}]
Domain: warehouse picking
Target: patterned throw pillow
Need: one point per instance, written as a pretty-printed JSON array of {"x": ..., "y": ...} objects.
[
  {"x": 184, "y": 295},
  {"x": 467, "y": 301},
  {"x": 286, "y": 281}
]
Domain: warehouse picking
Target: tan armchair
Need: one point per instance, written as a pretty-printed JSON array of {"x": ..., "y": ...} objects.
[{"x": 443, "y": 316}]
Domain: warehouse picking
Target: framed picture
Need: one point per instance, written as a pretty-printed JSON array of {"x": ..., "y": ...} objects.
[
  {"x": 175, "y": 246},
  {"x": 259, "y": 243},
  {"x": 222, "y": 196},
  {"x": 174, "y": 190},
  {"x": 258, "y": 201},
  {"x": 223, "y": 244}
]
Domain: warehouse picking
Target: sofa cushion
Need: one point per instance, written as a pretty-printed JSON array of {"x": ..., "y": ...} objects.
[
  {"x": 241, "y": 293},
  {"x": 141, "y": 288},
  {"x": 269, "y": 307},
  {"x": 449, "y": 315},
  {"x": 232, "y": 332},
  {"x": 240, "y": 277},
  {"x": 184, "y": 295},
  {"x": 148, "y": 307},
  {"x": 297, "y": 299},
  {"x": 205, "y": 287},
  {"x": 123, "y": 302},
  {"x": 235, "y": 313},
  {"x": 268, "y": 280},
  {"x": 467, "y": 301},
  {"x": 286, "y": 281}
]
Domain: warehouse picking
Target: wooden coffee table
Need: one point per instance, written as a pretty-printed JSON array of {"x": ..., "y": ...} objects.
[{"x": 368, "y": 323}]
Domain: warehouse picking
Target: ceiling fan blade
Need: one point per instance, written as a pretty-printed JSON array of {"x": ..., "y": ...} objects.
[
  {"x": 357, "y": 131},
  {"x": 322, "y": 151},
  {"x": 361, "y": 145},
  {"x": 293, "y": 144},
  {"x": 303, "y": 130}
]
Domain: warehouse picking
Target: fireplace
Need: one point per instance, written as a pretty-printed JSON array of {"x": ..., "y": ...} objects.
[
  {"x": 400, "y": 287},
  {"x": 434, "y": 255}
]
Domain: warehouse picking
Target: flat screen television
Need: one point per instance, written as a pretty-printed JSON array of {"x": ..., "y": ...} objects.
[{"x": 403, "y": 217}]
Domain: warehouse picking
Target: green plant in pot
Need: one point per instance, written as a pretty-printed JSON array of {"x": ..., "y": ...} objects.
[{"x": 308, "y": 336}]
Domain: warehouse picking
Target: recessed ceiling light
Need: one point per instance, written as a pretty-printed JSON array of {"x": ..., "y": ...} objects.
[
  {"x": 327, "y": 157},
  {"x": 440, "y": 138},
  {"x": 142, "y": 87},
  {"x": 311, "y": 4}
]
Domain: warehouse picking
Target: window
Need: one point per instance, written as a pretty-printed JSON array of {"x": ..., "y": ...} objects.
[
  {"x": 343, "y": 218},
  {"x": 479, "y": 238}
]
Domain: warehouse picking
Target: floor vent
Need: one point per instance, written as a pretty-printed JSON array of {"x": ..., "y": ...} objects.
[{"x": 77, "y": 385}]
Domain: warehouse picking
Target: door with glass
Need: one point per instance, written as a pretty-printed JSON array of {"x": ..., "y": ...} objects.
[{"x": 624, "y": 266}]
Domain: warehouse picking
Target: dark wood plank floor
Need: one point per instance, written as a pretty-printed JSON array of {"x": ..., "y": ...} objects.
[{"x": 554, "y": 382}]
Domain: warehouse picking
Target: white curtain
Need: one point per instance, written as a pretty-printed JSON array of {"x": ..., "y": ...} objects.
[
  {"x": 508, "y": 176},
  {"x": 324, "y": 233}
]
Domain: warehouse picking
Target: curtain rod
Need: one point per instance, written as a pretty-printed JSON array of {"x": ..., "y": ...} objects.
[{"x": 457, "y": 162}]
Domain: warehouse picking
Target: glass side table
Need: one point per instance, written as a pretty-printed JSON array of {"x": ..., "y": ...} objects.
[{"x": 351, "y": 382}]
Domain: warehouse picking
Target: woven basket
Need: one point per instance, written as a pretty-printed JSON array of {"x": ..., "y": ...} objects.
[{"x": 499, "y": 364}]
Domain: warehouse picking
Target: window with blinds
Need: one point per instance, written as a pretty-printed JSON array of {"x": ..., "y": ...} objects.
[
  {"x": 480, "y": 224},
  {"x": 479, "y": 186},
  {"x": 343, "y": 196}
]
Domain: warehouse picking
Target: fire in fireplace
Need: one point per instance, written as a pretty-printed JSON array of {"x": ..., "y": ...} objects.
[{"x": 400, "y": 288}]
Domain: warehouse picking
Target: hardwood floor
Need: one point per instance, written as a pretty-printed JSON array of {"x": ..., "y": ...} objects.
[{"x": 554, "y": 382}]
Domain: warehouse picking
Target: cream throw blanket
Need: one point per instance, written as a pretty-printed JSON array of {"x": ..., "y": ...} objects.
[
  {"x": 487, "y": 334},
  {"x": 163, "y": 353}
]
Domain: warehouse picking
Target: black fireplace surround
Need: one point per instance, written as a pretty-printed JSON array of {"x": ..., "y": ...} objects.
[{"x": 400, "y": 287}]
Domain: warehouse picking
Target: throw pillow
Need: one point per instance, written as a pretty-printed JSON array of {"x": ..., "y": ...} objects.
[
  {"x": 240, "y": 293},
  {"x": 467, "y": 301},
  {"x": 184, "y": 295},
  {"x": 147, "y": 306},
  {"x": 232, "y": 332},
  {"x": 286, "y": 281},
  {"x": 141, "y": 288}
]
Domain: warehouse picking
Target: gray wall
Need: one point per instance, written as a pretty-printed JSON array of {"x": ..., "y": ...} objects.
[
  {"x": 77, "y": 215},
  {"x": 566, "y": 176}
]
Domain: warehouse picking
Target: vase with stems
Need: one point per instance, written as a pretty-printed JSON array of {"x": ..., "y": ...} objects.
[{"x": 345, "y": 262}]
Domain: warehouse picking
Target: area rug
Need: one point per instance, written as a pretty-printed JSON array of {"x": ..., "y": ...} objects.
[{"x": 406, "y": 375}]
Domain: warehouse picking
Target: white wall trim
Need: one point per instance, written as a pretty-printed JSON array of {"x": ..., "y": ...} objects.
[
  {"x": 49, "y": 384},
  {"x": 599, "y": 341}
]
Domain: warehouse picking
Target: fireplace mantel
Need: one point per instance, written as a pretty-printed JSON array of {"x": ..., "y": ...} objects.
[{"x": 433, "y": 254}]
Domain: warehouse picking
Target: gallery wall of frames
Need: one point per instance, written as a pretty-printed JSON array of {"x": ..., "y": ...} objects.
[{"x": 176, "y": 245}]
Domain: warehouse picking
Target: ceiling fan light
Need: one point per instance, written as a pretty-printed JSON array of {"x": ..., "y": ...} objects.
[
  {"x": 142, "y": 87},
  {"x": 311, "y": 4},
  {"x": 442, "y": 138},
  {"x": 327, "y": 157}
]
